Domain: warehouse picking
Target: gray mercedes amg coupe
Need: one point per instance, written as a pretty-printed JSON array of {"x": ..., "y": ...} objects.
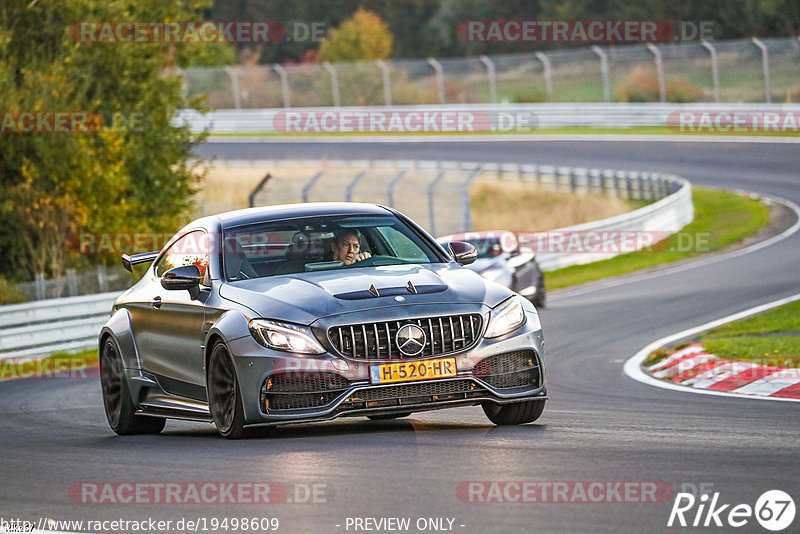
[{"x": 309, "y": 312}]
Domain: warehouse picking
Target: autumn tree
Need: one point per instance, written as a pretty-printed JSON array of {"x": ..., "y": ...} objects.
[{"x": 362, "y": 37}]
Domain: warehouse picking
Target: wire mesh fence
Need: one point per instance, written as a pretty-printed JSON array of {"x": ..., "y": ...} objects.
[{"x": 749, "y": 70}]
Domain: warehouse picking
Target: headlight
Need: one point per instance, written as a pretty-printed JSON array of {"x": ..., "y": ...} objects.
[
  {"x": 505, "y": 317},
  {"x": 285, "y": 336}
]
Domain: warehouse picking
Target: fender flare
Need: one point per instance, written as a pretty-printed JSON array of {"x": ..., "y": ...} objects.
[{"x": 120, "y": 329}]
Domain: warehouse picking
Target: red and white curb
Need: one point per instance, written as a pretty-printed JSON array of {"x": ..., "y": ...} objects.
[
  {"x": 692, "y": 366},
  {"x": 691, "y": 369}
]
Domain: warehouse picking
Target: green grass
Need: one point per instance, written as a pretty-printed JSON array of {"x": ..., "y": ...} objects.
[
  {"x": 59, "y": 364},
  {"x": 778, "y": 351},
  {"x": 736, "y": 340},
  {"x": 784, "y": 318},
  {"x": 721, "y": 219}
]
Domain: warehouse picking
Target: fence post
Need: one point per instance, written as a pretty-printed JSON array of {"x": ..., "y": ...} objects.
[
  {"x": 390, "y": 188},
  {"x": 490, "y": 72},
  {"x": 337, "y": 101},
  {"x": 548, "y": 75},
  {"x": 237, "y": 97},
  {"x": 437, "y": 67},
  {"x": 307, "y": 188},
  {"x": 466, "y": 215},
  {"x": 387, "y": 81},
  {"x": 431, "y": 209},
  {"x": 287, "y": 96},
  {"x": 765, "y": 64},
  {"x": 72, "y": 283},
  {"x": 40, "y": 287},
  {"x": 662, "y": 84},
  {"x": 102, "y": 279},
  {"x": 348, "y": 195},
  {"x": 714, "y": 67},
  {"x": 251, "y": 198},
  {"x": 603, "y": 72}
]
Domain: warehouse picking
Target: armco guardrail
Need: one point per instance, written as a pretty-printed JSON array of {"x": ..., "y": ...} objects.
[
  {"x": 511, "y": 118},
  {"x": 40, "y": 328}
]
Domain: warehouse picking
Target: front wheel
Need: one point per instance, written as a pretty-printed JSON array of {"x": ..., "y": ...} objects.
[
  {"x": 517, "y": 413},
  {"x": 119, "y": 407},
  {"x": 224, "y": 397}
]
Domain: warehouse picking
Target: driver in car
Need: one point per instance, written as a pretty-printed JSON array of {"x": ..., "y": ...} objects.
[{"x": 346, "y": 246}]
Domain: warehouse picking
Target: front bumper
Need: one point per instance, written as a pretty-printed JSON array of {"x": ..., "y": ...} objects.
[{"x": 280, "y": 388}]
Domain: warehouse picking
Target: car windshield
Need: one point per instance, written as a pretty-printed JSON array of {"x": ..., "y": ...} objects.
[{"x": 321, "y": 243}]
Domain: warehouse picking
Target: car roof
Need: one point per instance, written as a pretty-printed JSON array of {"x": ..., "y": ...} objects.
[{"x": 246, "y": 216}]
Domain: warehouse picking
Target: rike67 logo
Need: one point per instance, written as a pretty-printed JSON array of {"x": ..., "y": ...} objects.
[{"x": 774, "y": 510}]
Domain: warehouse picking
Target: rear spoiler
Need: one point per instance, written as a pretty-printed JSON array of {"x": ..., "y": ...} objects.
[{"x": 129, "y": 261}]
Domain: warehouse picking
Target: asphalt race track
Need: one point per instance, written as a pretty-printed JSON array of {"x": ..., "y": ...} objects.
[{"x": 599, "y": 425}]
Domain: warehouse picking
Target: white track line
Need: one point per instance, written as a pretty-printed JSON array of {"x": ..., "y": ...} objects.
[
  {"x": 633, "y": 369},
  {"x": 390, "y": 138},
  {"x": 627, "y": 279}
]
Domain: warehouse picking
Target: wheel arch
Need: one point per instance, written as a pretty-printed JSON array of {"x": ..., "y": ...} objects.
[{"x": 119, "y": 328}]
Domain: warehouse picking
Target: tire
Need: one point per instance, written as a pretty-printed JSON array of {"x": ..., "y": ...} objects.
[
  {"x": 119, "y": 407},
  {"x": 517, "y": 413},
  {"x": 224, "y": 396},
  {"x": 385, "y": 417}
]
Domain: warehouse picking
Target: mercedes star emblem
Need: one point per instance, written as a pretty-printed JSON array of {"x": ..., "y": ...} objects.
[{"x": 410, "y": 339}]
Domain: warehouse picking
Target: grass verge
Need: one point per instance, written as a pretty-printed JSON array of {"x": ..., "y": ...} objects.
[
  {"x": 57, "y": 365},
  {"x": 769, "y": 338},
  {"x": 721, "y": 218}
]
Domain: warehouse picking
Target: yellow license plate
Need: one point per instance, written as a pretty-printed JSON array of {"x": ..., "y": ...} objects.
[{"x": 407, "y": 371}]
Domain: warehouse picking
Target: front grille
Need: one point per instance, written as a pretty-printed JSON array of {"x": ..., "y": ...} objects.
[
  {"x": 372, "y": 341},
  {"x": 409, "y": 395},
  {"x": 512, "y": 369},
  {"x": 292, "y": 391}
]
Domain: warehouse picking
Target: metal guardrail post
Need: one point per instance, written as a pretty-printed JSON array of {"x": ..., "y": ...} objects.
[
  {"x": 491, "y": 73},
  {"x": 285, "y": 92},
  {"x": 348, "y": 195},
  {"x": 72, "y": 283},
  {"x": 431, "y": 193},
  {"x": 387, "y": 81},
  {"x": 102, "y": 278},
  {"x": 765, "y": 64},
  {"x": 393, "y": 184},
  {"x": 237, "y": 96},
  {"x": 548, "y": 75},
  {"x": 40, "y": 287},
  {"x": 662, "y": 83},
  {"x": 714, "y": 67},
  {"x": 337, "y": 101},
  {"x": 251, "y": 198},
  {"x": 466, "y": 214},
  {"x": 307, "y": 188},
  {"x": 437, "y": 67},
  {"x": 603, "y": 72}
]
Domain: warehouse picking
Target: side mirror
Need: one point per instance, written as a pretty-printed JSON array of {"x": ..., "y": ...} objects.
[
  {"x": 463, "y": 252},
  {"x": 186, "y": 277}
]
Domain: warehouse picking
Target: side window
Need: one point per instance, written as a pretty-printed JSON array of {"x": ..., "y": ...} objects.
[{"x": 191, "y": 249}]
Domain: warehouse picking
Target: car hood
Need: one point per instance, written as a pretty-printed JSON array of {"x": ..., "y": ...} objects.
[{"x": 305, "y": 297}]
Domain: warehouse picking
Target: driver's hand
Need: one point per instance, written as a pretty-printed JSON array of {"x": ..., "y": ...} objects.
[{"x": 362, "y": 256}]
